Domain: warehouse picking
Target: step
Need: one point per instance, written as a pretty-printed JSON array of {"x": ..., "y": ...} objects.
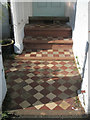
[
  {"x": 51, "y": 114},
  {"x": 48, "y": 40},
  {"x": 47, "y": 19},
  {"x": 54, "y": 30},
  {"x": 47, "y": 46},
  {"x": 46, "y": 54}
]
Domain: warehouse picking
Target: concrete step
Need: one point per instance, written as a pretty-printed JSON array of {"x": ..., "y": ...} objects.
[
  {"x": 27, "y": 114},
  {"x": 44, "y": 30},
  {"x": 48, "y": 40},
  {"x": 47, "y": 19},
  {"x": 47, "y": 46}
]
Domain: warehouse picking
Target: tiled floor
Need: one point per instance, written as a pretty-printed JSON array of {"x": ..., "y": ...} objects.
[
  {"x": 42, "y": 85},
  {"x": 47, "y": 54}
]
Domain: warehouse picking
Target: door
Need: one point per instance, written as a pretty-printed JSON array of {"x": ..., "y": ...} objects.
[{"x": 48, "y": 8}]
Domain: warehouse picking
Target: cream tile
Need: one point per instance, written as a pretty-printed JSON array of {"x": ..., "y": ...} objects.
[
  {"x": 13, "y": 69},
  {"x": 30, "y": 75},
  {"x": 38, "y": 96},
  {"x": 39, "y": 88},
  {"x": 73, "y": 88},
  {"x": 38, "y": 55},
  {"x": 41, "y": 65},
  {"x": 27, "y": 88},
  {"x": 38, "y": 105},
  {"x": 62, "y": 88},
  {"x": 51, "y": 105},
  {"x": 50, "y": 65},
  {"x": 64, "y": 105},
  {"x": 24, "y": 104},
  {"x": 50, "y": 81},
  {"x": 51, "y": 96},
  {"x": 27, "y": 55},
  {"x": 29, "y": 81},
  {"x": 19, "y": 80}
]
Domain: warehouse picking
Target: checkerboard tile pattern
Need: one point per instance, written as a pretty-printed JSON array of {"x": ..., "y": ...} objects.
[
  {"x": 50, "y": 53},
  {"x": 42, "y": 85},
  {"x": 48, "y": 38}
]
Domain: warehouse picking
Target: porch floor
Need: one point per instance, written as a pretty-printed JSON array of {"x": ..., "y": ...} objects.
[
  {"x": 43, "y": 85},
  {"x": 44, "y": 79}
]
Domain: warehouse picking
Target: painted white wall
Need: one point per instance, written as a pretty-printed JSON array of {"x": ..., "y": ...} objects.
[
  {"x": 20, "y": 13},
  {"x": 5, "y": 20},
  {"x": 3, "y": 88},
  {"x": 78, "y": 14},
  {"x": 89, "y": 57},
  {"x": 80, "y": 37}
]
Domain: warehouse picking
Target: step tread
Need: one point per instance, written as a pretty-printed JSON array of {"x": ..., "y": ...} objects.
[
  {"x": 47, "y": 40},
  {"x": 47, "y": 27}
]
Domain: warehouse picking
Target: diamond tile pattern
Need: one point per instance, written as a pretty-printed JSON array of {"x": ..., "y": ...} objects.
[{"x": 42, "y": 85}]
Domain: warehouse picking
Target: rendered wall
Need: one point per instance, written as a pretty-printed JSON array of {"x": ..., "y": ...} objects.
[
  {"x": 89, "y": 57},
  {"x": 78, "y": 14},
  {"x": 20, "y": 13},
  {"x": 5, "y": 20},
  {"x": 80, "y": 38},
  {"x": 3, "y": 88}
]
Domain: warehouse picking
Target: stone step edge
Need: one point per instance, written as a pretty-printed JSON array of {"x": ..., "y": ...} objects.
[
  {"x": 49, "y": 113},
  {"x": 29, "y": 28},
  {"x": 40, "y": 18},
  {"x": 45, "y": 58},
  {"x": 27, "y": 40}
]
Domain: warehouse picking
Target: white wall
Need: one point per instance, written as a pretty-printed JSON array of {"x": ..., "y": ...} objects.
[
  {"x": 3, "y": 88},
  {"x": 89, "y": 57},
  {"x": 5, "y": 20},
  {"x": 20, "y": 13},
  {"x": 80, "y": 37},
  {"x": 78, "y": 14}
]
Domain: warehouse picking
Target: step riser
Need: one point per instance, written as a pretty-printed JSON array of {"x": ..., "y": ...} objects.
[
  {"x": 48, "y": 41},
  {"x": 44, "y": 19},
  {"x": 27, "y": 43},
  {"x": 48, "y": 46},
  {"x": 47, "y": 33}
]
